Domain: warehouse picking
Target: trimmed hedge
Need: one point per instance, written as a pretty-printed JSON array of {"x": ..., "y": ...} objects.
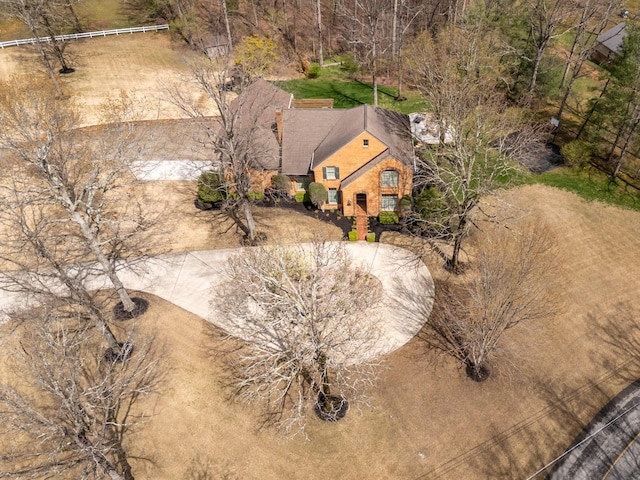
[
  {"x": 255, "y": 196},
  {"x": 353, "y": 236},
  {"x": 371, "y": 237},
  {"x": 210, "y": 188},
  {"x": 318, "y": 194},
  {"x": 388, "y": 218}
]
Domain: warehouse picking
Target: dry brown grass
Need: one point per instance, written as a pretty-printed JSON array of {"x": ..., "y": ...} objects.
[
  {"x": 430, "y": 421},
  {"x": 138, "y": 64}
]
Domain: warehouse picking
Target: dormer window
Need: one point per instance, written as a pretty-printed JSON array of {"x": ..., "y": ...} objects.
[{"x": 365, "y": 142}]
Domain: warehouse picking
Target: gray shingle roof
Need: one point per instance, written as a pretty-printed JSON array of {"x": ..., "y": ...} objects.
[
  {"x": 318, "y": 134},
  {"x": 257, "y": 105},
  {"x": 612, "y": 38},
  {"x": 303, "y": 130}
]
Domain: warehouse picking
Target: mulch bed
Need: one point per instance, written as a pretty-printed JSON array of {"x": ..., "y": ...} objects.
[
  {"x": 346, "y": 224},
  {"x": 141, "y": 306}
]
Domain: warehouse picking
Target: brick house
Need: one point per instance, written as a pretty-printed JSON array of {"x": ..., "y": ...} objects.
[{"x": 363, "y": 156}]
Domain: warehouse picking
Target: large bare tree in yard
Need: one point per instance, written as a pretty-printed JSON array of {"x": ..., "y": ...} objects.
[
  {"x": 240, "y": 136},
  {"x": 302, "y": 321},
  {"x": 481, "y": 135},
  {"x": 66, "y": 411},
  {"x": 64, "y": 182},
  {"x": 513, "y": 283}
]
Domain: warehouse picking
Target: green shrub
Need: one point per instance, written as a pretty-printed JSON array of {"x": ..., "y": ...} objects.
[
  {"x": 388, "y": 218},
  {"x": 211, "y": 188},
  {"x": 255, "y": 196},
  {"x": 281, "y": 184},
  {"x": 406, "y": 201},
  {"x": 301, "y": 196},
  {"x": 350, "y": 65},
  {"x": 353, "y": 236},
  {"x": 317, "y": 194},
  {"x": 371, "y": 237},
  {"x": 577, "y": 153},
  {"x": 314, "y": 70},
  {"x": 431, "y": 207}
]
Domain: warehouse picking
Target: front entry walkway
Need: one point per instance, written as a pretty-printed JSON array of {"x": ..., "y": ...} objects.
[{"x": 188, "y": 281}]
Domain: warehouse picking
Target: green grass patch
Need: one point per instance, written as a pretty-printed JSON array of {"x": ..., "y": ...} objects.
[
  {"x": 349, "y": 94},
  {"x": 591, "y": 184}
]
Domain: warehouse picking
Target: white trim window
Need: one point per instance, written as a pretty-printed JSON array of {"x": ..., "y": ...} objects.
[
  {"x": 331, "y": 173},
  {"x": 389, "y": 178},
  {"x": 332, "y": 196},
  {"x": 389, "y": 203}
]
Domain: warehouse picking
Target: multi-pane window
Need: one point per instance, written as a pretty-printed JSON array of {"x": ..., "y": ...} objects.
[
  {"x": 331, "y": 173},
  {"x": 389, "y": 203},
  {"x": 389, "y": 178},
  {"x": 302, "y": 183},
  {"x": 365, "y": 142},
  {"x": 332, "y": 196}
]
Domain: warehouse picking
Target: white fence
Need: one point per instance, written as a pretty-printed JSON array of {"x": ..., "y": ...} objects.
[{"x": 76, "y": 36}]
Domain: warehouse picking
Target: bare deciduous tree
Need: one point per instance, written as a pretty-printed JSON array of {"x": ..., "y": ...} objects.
[
  {"x": 69, "y": 413},
  {"x": 594, "y": 18},
  {"x": 513, "y": 283},
  {"x": 307, "y": 318},
  {"x": 545, "y": 16},
  {"x": 73, "y": 173},
  {"x": 481, "y": 135},
  {"x": 241, "y": 140},
  {"x": 31, "y": 12}
]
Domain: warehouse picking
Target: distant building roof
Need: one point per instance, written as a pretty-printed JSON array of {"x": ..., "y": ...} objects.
[
  {"x": 613, "y": 38},
  {"x": 425, "y": 130}
]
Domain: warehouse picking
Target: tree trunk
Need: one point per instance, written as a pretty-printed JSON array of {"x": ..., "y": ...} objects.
[
  {"x": 98, "y": 457},
  {"x": 319, "y": 32},
  {"x": 251, "y": 224},
  {"x": 57, "y": 49},
  {"x": 595, "y": 104},
  {"x": 104, "y": 262},
  {"x": 225, "y": 14},
  {"x": 623, "y": 150},
  {"x": 534, "y": 70},
  {"x": 454, "y": 261},
  {"x": 394, "y": 28},
  {"x": 47, "y": 63},
  {"x": 374, "y": 73},
  {"x": 76, "y": 21}
]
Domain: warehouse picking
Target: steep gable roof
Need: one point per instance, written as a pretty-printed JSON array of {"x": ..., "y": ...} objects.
[{"x": 391, "y": 128}]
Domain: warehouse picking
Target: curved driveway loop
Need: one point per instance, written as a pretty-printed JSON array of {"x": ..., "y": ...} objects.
[{"x": 187, "y": 280}]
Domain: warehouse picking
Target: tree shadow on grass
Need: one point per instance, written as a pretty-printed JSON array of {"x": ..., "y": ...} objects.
[{"x": 539, "y": 445}]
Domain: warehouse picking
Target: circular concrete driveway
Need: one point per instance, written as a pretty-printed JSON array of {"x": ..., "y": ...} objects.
[{"x": 187, "y": 280}]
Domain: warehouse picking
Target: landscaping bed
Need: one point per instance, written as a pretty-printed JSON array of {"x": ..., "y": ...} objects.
[{"x": 346, "y": 224}]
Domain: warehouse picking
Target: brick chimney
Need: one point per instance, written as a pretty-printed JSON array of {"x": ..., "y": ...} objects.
[{"x": 279, "y": 124}]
